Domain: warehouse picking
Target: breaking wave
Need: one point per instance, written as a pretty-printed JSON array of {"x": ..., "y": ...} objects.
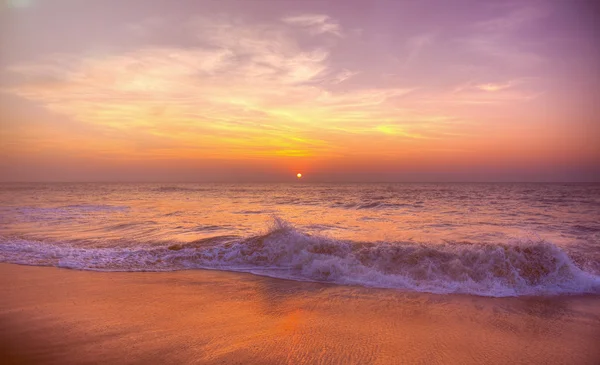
[{"x": 519, "y": 268}]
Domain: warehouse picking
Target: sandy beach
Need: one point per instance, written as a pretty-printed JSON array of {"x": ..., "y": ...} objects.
[{"x": 51, "y": 315}]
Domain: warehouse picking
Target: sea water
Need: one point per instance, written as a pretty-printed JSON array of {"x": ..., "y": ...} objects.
[{"x": 482, "y": 239}]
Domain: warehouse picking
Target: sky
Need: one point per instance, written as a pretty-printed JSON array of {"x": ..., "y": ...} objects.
[{"x": 259, "y": 90}]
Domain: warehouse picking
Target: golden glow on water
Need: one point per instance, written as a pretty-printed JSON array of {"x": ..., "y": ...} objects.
[{"x": 376, "y": 212}]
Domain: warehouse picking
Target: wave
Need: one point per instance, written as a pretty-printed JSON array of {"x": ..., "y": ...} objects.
[
  {"x": 81, "y": 208},
  {"x": 177, "y": 189},
  {"x": 374, "y": 205},
  {"x": 520, "y": 268},
  {"x": 66, "y": 212},
  {"x": 245, "y": 212}
]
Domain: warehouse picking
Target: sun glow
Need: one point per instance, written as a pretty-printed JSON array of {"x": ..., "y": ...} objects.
[{"x": 253, "y": 95}]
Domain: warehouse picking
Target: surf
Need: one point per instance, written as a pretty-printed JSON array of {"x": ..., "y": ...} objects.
[{"x": 521, "y": 267}]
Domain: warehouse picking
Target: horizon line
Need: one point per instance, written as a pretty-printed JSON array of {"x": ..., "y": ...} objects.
[{"x": 299, "y": 182}]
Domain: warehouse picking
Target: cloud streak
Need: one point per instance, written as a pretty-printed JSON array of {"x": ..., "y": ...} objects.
[
  {"x": 315, "y": 24},
  {"x": 248, "y": 86},
  {"x": 293, "y": 85}
]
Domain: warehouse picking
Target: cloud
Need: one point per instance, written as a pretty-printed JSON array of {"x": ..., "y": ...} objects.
[
  {"x": 262, "y": 50},
  {"x": 518, "y": 86},
  {"x": 244, "y": 85},
  {"x": 416, "y": 44},
  {"x": 315, "y": 23},
  {"x": 395, "y": 131},
  {"x": 499, "y": 38},
  {"x": 485, "y": 94},
  {"x": 494, "y": 87},
  {"x": 241, "y": 90},
  {"x": 506, "y": 51},
  {"x": 147, "y": 26},
  {"x": 512, "y": 21}
]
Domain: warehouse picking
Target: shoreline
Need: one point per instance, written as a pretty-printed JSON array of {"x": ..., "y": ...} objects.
[{"x": 56, "y": 315}]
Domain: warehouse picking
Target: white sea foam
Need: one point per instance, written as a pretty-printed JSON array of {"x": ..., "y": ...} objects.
[{"x": 517, "y": 268}]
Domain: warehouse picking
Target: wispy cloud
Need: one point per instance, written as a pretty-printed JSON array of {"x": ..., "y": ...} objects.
[
  {"x": 285, "y": 83},
  {"x": 247, "y": 85},
  {"x": 250, "y": 89},
  {"x": 515, "y": 19},
  {"x": 343, "y": 76},
  {"x": 507, "y": 51},
  {"x": 315, "y": 23},
  {"x": 395, "y": 131},
  {"x": 416, "y": 44},
  {"x": 495, "y": 86},
  {"x": 500, "y": 40},
  {"x": 147, "y": 26}
]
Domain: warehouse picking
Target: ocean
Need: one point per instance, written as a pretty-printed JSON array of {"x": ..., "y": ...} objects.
[{"x": 492, "y": 240}]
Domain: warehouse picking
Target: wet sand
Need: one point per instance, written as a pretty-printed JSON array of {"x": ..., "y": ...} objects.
[{"x": 50, "y": 315}]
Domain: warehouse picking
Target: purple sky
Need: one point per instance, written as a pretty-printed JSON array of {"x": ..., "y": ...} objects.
[{"x": 338, "y": 90}]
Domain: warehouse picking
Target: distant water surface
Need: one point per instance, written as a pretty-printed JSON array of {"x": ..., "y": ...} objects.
[{"x": 484, "y": 239}]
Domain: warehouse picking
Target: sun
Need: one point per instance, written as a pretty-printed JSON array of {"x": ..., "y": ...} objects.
[{"x": 299, "y": 175}]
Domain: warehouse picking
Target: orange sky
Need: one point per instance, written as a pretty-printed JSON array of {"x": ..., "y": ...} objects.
[{"x": 192, "y": 91}]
